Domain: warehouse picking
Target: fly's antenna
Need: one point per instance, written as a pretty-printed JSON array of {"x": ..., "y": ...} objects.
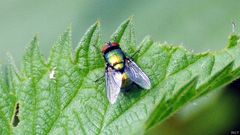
[
  {"x": 108, "y": 42},
  {"x": 97, "y": 48},
  {"x": 115, "y": 38}
]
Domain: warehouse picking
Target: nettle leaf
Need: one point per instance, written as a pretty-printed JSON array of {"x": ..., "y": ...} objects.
[
  {"x": 61, "y": 95},
  {"x": 8, "y": 102}
]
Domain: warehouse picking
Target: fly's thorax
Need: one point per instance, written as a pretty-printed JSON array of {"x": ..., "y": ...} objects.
[
  {"x": 115, "y": 58},
  {"x": 118, "y": 66}
]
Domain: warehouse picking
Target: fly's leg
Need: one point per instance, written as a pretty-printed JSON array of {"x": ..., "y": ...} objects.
[
  {"x": 98, "y": 79},
  {"x": 97, "y": 48},
  {"x": 126, "y": 91},
  {"x": 106, "y": 66},
  {"x": 132, "y": 86},
  {"x": 135, "y": 53},
  {"x": 115, "y": 38}
]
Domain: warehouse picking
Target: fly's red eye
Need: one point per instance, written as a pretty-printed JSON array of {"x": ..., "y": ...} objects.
[
  {"x": 115, "y": 44},
  {"x": 105, "y": 48}
]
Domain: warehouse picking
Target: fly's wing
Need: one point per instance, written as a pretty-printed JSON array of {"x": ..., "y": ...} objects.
[
  {"x": 136, "y": 74},
  {"x": 113, "y": 84}
]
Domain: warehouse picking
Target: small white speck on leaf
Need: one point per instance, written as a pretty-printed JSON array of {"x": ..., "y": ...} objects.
[{"x": 52, "y": 74}]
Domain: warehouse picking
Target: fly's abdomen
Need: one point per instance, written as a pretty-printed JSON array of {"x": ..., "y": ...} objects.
[{"x": 125, "y": 81}]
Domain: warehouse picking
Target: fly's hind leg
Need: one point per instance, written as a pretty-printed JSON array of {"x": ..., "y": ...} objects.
[
  {"x": 125, "y": 90},
  {"x": 98, "y": 79},
  {"x": 101, "y": 77},
  {"x": 136, "y": 52}
]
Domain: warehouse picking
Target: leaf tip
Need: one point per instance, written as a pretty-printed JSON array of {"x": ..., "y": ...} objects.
[
  {"x": 130, "y": 18},
  {"x": 33, "y": 44},
  {"x": 91, "y": 35},
  {"x": 35, "y": 38},
  {"x": 95, "y": 26},
  {"x": 69, "y": 28},
  {"x": 117, "y": 35},
  {"x": 98, "y": 22},
  {"x": 68, "y": 31},
  {"x": 233, "y": 40}
]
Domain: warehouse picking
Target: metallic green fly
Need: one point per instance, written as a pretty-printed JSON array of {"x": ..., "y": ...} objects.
[{"x": 121, "y": 71}]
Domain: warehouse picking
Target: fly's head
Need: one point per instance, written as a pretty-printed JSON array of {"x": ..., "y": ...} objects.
[{"x": 109, "y": 46}]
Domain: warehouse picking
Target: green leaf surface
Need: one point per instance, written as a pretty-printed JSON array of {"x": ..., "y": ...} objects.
[{"x": 61, "y": 95}]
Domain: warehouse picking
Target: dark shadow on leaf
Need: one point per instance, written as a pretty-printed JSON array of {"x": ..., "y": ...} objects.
[
  {"x": 133, "y": 91},
  {"x": 16, "y": 118}
]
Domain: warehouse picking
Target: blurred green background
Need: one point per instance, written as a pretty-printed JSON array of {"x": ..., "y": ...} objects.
[{"x": 198, "y": 25}]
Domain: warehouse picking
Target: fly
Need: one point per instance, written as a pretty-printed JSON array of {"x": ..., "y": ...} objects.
[{"x": 121, "y": 71}]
